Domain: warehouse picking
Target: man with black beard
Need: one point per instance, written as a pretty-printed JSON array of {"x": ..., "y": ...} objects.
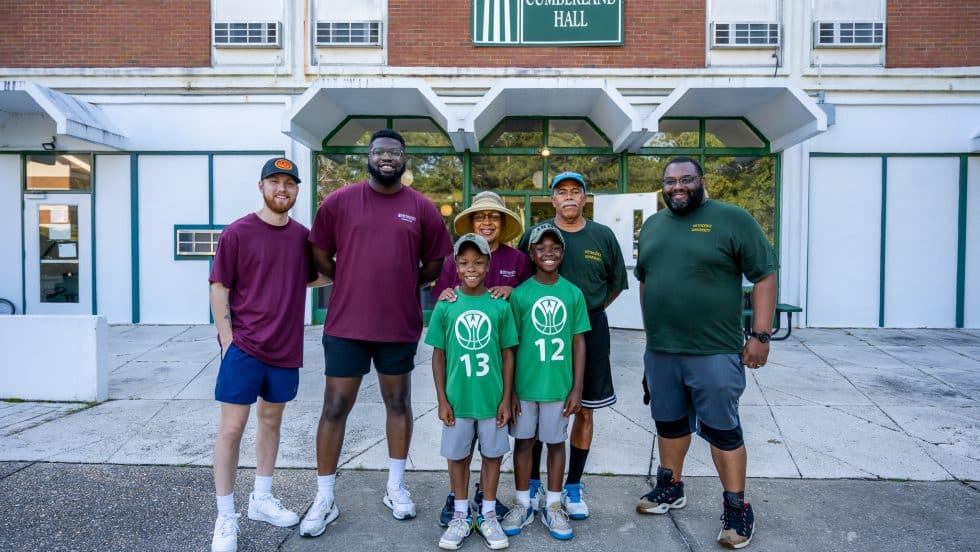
[
  {"x": 258, "y": 291},
  {"x": 379, "y": 241},
  {"x": 691, "y": 260}
]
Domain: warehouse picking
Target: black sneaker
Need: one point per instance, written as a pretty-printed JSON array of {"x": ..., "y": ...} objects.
[
  {"x": 667, "y": 495},
  {"x": 737, "y": 525},
  {"x": 501, "y": 508},
  {"x": 446, "y": 515}
]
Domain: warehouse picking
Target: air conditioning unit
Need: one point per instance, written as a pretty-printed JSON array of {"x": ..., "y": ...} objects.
[
  {"x": 745, "y": 35},
  {"x": 348, "y": 33},
  {"x": 848, "y": 34},
  {"x": 247, "y": 34}
]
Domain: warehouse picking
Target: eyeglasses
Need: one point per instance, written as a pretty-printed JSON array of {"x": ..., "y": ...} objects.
[
  {"x": 685, "y": 180},
  {"x": 492, "y": 217},
  {"x": 395, "y": 153}
]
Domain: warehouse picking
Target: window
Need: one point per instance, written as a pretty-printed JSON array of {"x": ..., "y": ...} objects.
[
  {"x": 848, "y": 34},
  {"x": 746, "y": 35},
  {"x": 65, "y": 172},
  {"x": 247, "y": 34},
  {"x": 195, "y": 242},
  {"x": 348, "y": 33}
]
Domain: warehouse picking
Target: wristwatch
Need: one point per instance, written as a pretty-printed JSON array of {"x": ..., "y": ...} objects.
[{"x": 763, "y": 337}]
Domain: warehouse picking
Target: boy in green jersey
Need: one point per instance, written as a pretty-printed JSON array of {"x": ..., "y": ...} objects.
[
  {"x": 473, "y": 367},
  {"x": 551, "y": 317}
]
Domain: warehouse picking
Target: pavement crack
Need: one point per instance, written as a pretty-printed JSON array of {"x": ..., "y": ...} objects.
[
  {"x": 384, "y": 437},
  {"x": 681, "y": 532},
  {"x": 18, "y": 470},
  {"x": 772, "y": 415},
  {"x": 632, "y": 421}
]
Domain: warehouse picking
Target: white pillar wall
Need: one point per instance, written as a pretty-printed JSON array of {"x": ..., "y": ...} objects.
[
  {"x": 971, "y": 311},
  {"x": 11, "y": 227},
  {"x": 113, "y": 244}
]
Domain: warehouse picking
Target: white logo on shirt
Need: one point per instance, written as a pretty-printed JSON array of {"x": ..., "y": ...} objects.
[
  {"x": 406, "y": 218},
  {"x": 549, "y": 315},
  {"x": 473, "y": 330},
  {"x": 508, "y": 273}
]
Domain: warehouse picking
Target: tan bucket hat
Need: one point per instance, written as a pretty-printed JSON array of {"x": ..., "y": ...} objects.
[{"x": 489, "y": 201}]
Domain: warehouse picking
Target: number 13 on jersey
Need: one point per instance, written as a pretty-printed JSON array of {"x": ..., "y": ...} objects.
[{"x": 482, "y": 364}]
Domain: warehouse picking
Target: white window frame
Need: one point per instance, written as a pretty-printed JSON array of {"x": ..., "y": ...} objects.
[
  {"x": 260, "y": 27},
  {"x": 366, "y": 30},
  {"x": 837, "y": 34},
  {"x": 732, "y": 29}
]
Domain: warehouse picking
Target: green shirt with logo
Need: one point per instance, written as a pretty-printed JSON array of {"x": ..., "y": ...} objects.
[
  {"x": 547, "y": 317},
  {"x": 692, "y": 268},
  {"x": 473, "y": 331},
  {"x": 593, "y": 261}
]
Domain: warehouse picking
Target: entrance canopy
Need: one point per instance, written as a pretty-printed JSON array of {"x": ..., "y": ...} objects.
[
  {"x": 73, "y": 123},
  {"x": 604, "y": 106},
  {"x": 328, "y": 102},
  {"x": 783, "y": 114}
]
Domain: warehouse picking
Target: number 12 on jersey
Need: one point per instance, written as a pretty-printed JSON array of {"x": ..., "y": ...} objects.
[
  {"x": 482, "y": 364},
  {"x": 556, "y": 354}
]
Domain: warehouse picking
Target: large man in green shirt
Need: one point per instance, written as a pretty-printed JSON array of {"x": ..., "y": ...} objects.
[
  {"x": 594, "y": 263},
  {"x": 692, "y": 257}
]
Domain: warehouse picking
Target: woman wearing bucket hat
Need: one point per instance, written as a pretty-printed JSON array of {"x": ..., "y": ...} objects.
[{"x": 490, "y": 218}]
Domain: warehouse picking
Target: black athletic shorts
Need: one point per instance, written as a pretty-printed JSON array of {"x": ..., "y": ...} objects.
[
  {"x": 350, "y": 358},
  {"x": 597, "y": 387}
]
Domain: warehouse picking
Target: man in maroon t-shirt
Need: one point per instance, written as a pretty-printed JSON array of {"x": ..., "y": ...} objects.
[
  {"x": 258, "y": 290},
  {"x": 379, "y": 241}
]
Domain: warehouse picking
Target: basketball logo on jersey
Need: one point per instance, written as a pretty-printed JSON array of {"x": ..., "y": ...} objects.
[
  {"x": 549, "y": 315},
  {"x": 473, "y": 330}
]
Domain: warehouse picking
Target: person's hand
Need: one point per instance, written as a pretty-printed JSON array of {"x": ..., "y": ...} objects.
[
  {"x": 573, "y": 403},
  {"x": 515, "y": 406},
  {"x": 225, "y": 341},
  {"x": 646, "y": 391},
  {"x": 755, "y": 354},
  {"x": 503, "y": 412},
  {"x": 448, "y": 294},
  {"x": 501, "y": 292},
  {"x": 446, "y": 414}
]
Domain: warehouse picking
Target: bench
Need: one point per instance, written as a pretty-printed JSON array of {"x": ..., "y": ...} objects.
[{"x": 781, "y": 308}]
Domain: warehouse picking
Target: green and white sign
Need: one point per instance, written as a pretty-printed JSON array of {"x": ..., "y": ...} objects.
[{"x": 547, "y": 22}]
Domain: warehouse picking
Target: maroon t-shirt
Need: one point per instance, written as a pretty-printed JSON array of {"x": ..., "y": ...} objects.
[
  {"x": 266, "y": 268},
  {"x": 508, "y": 267},
  {"x": 379, "y": 241}
]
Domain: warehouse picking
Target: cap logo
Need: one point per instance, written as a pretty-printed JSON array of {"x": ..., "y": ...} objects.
[{"x": 283, "y": 164}]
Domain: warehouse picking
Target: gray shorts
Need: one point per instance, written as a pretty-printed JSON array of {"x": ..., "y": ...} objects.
[
  {"x": 457, "y": 440},
  {"x": 705, "y": 388},
  {"x": 543, "y": 419}
]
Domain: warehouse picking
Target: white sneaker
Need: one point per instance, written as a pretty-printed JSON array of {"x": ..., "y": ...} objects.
[
  {"x": 400, "y": 502},
  {"x": 456, "y": 533},
  {"x": 318, "y": 517},
  {"x": 267, "y": 508},
  {"x": 225, "y": 537}
]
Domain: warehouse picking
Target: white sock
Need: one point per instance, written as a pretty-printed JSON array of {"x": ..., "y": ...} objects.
[
  {"x": 489, "y": 506},
  {"x": 461, "y": 506},
  {"x": 263, "y": 485},
  {"x": 324, "y": 486},
  {"x": 524, "y": 497},
  {"x": 396, "y": 472},
  {"x": 552, "y": 497},
  {"x": 226, "y": 504}
]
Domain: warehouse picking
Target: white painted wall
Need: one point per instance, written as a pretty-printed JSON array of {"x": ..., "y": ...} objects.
[
  {"x": 173, "y": 189},
  {"x": 971, "y": 311},
  {"x": 11, "y": 259},
  {"x": 236, "y": 190},
  {"x": 113, "y": 248},
  {"x": 899, "y": 129},
  {"x": 844, "y": 242},
  {"x": 920, "y": 242},
  {"x": 54, "y": 358}
]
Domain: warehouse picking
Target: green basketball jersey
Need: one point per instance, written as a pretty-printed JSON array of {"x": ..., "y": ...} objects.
[
  {"x": 472, "y": 331},
  {"x": 547, "y": 317}
]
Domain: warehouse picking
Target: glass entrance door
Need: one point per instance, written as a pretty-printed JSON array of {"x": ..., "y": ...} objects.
[{"x": 58, "y": 253}]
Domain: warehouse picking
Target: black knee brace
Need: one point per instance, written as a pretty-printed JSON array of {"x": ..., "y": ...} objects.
[
  {"x": 724, "y": 439},
  {"x": 674, "y": 429}
]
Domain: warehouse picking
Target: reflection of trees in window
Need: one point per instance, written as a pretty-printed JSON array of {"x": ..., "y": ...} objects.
[
  {"x": 336, "y": 170},
  {"x": 601, "y": 172},
  {"x": 749, "y": 182},
  {"x": 505, "y": 172}
]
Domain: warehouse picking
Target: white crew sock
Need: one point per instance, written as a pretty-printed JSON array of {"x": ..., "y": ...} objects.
[
  {"x": 226, "y": 504},
  {"x": 552, "y": 497},
  {"x": 489, "y": 506},
  {"x": 263, "y": 486},
  {"x": 461, "y": 506},
  {"x": 324, "y": 486},
  {"x": 396, "y": 472},
  {"x": 524, "y": 497}
]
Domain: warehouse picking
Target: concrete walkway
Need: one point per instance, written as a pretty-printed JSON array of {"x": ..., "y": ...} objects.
[{"x": 878, "y": 411}]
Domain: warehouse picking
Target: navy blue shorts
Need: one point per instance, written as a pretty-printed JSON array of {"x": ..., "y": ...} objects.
[
  {"x": 351, "y": 358},
  {"x": 702, "y": 387},
  {"x": 243, "y": 378}
]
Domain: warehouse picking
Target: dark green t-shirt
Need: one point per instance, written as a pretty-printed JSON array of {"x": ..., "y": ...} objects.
[
  {"x": 593, "y": 261},
  {"x": 691, "y": 267},
  {"x": 472, "y": 331}
]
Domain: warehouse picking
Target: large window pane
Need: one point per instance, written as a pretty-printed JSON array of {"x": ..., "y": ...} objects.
[
  {"x": 730, "y": 133},
  {"x": 644, "y": 174},
  {"x": 334, "y": 171},
  {"x": 421, "y": 133},
  {"x": 58, "y": 241},
  {"x": 501, "y": 173},
  {"x": 749, "y": 182},
  {"x": 675, "y": 133},
  {"x": 50, "y": 171},
  {"x": 516, "y": 133},
  {"x": 574, "y": 133},
  {"x": 357, "y": 132},
  {"x": 440, "y": 178},
  {"x": 601, "y": 172}
]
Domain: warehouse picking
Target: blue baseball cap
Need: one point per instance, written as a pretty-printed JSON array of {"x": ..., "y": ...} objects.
[{"x": 569, "y": 175}]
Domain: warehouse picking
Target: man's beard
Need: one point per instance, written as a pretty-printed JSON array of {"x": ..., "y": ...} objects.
[
  {"x": 694, "y": 200},
  {"x": 386, "y": 180},
  {"x": 270, "y": 202}
]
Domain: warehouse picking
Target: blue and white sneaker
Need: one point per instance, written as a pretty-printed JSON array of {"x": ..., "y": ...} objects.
[
  {"x": 537, "y": 495},
  {"x": 555, "y": 519},
  {"x": 573, "y": 499},
  {"x": 519, "y": 517}
]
